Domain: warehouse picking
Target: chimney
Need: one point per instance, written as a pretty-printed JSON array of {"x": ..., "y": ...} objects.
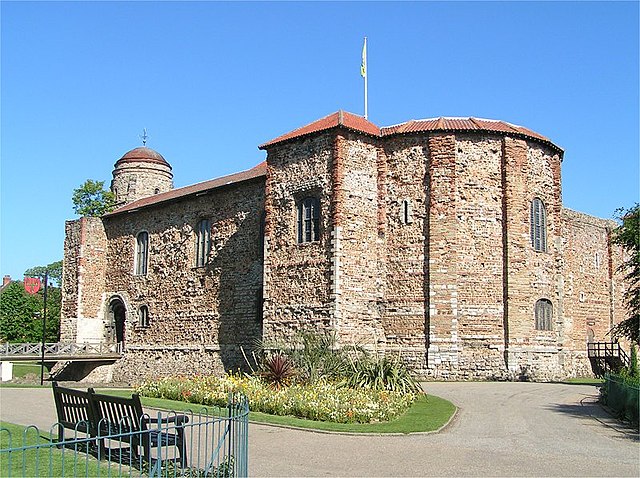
[{"x": 6, "y": 280}]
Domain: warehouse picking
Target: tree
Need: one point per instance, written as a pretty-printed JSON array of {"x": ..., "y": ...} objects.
[
  {"x": 21, "y": 314},
  {"x": 54, "y": 269},
  {"x": 627, "y": 235},
  {"x": 91, "y": 199}
]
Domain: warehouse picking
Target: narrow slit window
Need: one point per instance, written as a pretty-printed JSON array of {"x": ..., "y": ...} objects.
[
  {"x": 142, "y": 253},
  {"x": 143, "y": 316},
  {"x": 544, "y": 314},
  {"x": 406, "y": 212},
  {"x": 538, "y": 225},
  {"x": 203, "y": 242}
]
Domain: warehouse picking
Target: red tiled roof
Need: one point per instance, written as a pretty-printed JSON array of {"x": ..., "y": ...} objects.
[
  {"x": 255, "y": 172},
  {"x": 339, "y": 118},
  {"x": 464, "y": 124},
  {"x": 358, "y": 123}
]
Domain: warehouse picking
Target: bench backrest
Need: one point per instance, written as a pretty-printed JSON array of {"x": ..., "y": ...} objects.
[
  {"x": 73, "y": 408},
  {"x": 117, "y": 414}
]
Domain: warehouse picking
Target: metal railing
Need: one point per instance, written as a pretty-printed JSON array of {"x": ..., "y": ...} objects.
[
  {"x": 57, "y": 350},
  {"x": 622, "y": 397},
  {"x": 216, "y": 445}
]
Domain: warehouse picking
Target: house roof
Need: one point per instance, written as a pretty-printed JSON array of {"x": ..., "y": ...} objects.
[
  {"x": 339, "y": 118},
  {"x": 255, "y": 172},
  {"x": 441, "y": 124}
]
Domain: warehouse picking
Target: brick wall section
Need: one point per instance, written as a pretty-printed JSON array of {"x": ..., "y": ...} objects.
[
  {"x": 356, "y": 193},
  {"x": 405, "y": 291},
  {"x": 298, "y": 277},
  {"x": 199, "y": 316},
  {"x": 479, "y": 266},
  {"x": 590, "y": 285},
  {"x": 532, "y": 171},
  {"x": 83, "y": 280},
  {"x": 442, "y": 255},
  {"x": 69, "y": 306}
]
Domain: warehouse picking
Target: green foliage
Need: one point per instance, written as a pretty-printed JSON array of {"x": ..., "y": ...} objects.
[
  {"x": 91, "y": 199},
  {"x": 427, "y": 413},
  {"x": 20, "y": 314},
  {"x": 381, "y": 373},
  {"x": 316, "y": 357},
  {"x": 54, "y": 269},
  {"x": 46, "y": 461},
  {"x": 627, "y": 235},
  {"x": 278, "y": 370},
  {"x": 633, "y": 363},
  {"x": 321, "y": 400}
]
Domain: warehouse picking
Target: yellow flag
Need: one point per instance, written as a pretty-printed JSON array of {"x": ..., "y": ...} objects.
[{"x": 363, "y": 65}]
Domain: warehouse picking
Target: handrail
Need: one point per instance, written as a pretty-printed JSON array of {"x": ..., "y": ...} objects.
[{"x": 59, "y": 348}]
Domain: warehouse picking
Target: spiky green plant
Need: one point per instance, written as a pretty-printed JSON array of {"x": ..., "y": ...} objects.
[{"x": 278, "y": 370}]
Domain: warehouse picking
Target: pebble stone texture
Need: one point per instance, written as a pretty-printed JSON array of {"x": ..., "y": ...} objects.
[{"x": 424, "y": 251}]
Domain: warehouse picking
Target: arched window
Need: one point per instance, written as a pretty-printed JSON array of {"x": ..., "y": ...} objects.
[
  {"x": 309, "y": 220},
  {"x": 544, "y": 314},
  {"x": 203, "y": 242},
  {"x": 142, "y": 253},
  {"x": 143, "y": 316},
  {"x": 538, "y": 225}
]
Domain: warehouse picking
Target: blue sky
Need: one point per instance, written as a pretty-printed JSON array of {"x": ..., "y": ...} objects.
[{"x": 211, "y": 81}]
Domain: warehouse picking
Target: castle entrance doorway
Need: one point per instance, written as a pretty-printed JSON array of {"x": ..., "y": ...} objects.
[{"x": 116, "y": 322}]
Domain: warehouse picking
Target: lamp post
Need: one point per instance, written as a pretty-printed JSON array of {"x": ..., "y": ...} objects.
[{"x": 44, "y": 325}]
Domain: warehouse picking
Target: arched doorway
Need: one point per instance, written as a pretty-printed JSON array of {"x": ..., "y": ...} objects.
[{"x": 116, "y": 315}]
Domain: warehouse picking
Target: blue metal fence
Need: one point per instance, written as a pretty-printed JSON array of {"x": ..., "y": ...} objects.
[
  {"x": 215, "y": 445},
  {"x": 623, "y": 398}
]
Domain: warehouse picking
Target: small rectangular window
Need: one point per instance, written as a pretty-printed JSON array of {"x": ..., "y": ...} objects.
[{"x": 309, "y": 220}]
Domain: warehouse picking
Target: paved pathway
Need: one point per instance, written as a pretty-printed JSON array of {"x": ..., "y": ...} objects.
[{"x": 501, "y": 429}]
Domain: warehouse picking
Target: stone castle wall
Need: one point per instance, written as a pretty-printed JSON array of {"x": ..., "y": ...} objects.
[
  {"x": 591, "y": 285},
  {"x": 133, "y": 180},
  {"x": 198, "y": 316},
  {"x": 424, "y": 251},
  {"x": 83, "y": 280},
  {"x": 297, "y": 277}
]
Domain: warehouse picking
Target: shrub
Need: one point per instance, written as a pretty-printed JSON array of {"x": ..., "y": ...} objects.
[
  {"x": 381, "y": 373},
  {"x": 278, "y": 370},
  {"x": 316, "y": 356},
  {"x": 633, "y": 363},
  {"x": 321, "y": 400}
]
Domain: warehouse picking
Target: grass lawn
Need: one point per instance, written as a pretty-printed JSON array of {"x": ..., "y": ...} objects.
[
  {"x": 46, "y": 461},
  {"x": 20, "y": 369},
  {"x": 584, "y": 381},
  {"x": 428, "y": 413}
]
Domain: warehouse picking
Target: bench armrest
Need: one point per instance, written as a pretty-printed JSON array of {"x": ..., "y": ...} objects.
[{"x": 179, "y": 420}]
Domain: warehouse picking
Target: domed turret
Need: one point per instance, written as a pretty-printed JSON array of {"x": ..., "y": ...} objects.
[{"x": 140, "y": 173}]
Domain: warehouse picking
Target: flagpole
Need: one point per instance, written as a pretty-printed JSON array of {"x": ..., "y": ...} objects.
[{"x": 366, "y": 79}]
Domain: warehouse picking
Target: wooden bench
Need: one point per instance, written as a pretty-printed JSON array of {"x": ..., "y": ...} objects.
[
  {"x": 124, "y": 417},
  {"x": 118, "y": 418},
  {"x": 74, "y": 411}
]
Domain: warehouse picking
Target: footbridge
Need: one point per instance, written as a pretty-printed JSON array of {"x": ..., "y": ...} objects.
[{"x": 60, "y": 351}]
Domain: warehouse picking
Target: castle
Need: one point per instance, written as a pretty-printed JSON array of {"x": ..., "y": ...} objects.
[{"x": 443, "y": 240}]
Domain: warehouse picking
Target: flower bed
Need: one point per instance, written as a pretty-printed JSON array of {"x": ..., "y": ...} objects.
[{"x": 321, "y": 400}]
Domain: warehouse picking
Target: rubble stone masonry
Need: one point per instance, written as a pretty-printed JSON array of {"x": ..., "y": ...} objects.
[{"x": 424, "y": 251}]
